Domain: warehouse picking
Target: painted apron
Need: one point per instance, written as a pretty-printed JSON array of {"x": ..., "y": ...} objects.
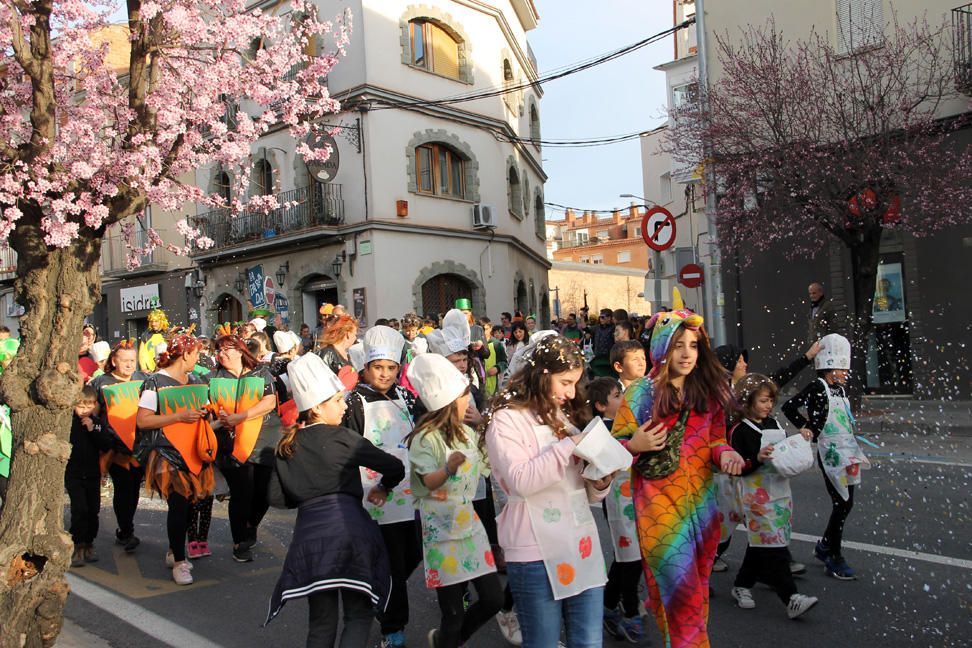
[
  {"x": 454, "y": 542},
  {"x": 386, "y": 424},
  {"x": 621, "y": 519},
  {"x": 565, "y": 529},
  {"x": 840, "y": 455},
  {"x": 765, "y": 498},
  {"x": 730, "y": 514}
]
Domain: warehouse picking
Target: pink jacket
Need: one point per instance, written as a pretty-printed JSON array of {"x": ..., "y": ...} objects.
[{"x": 521, "y": 470}]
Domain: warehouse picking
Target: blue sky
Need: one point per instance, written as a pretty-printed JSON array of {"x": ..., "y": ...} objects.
[{"x": 622, "y": 96}]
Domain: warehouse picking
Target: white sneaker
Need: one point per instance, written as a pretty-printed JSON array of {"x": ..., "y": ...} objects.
[
  {"x": 799, "y": 603},
  {"x": 720, "y": 565},
  {"x": 182, "y": 573},
  {"x": 510, "y": 627},
  {"x": 170, "y": 560},
  {"x": 744, "y": 598}
]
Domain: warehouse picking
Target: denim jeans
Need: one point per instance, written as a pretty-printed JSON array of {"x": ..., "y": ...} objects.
[{"x": 541, "y": 616}]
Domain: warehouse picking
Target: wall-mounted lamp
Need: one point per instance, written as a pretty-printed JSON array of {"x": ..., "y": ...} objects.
[
  {"x": 401, "y": 208},
  {"x": 338, "y": 261},
  {"x": 282, "y": 273},
  {"x": 240, "y": 282}
]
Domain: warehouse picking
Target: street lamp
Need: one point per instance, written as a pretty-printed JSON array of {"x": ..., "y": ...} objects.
[
  {"x": 282, "y": 273},
  {"x": 240, "y": 282},
  {"x": 338, "y": 261}
]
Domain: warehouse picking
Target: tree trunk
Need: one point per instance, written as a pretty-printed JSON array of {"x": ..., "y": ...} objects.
[
  {"x": 865, "y": 255},
  {"x": 58, "y": 289}
]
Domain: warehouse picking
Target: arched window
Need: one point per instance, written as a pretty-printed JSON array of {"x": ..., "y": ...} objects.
[
  {"x": 433, "y": 48},
  {"x": 223, "y": 186},
  {"x": 507, "y": 71},
  {"x": 440, "y": 170},
  {"x": 515, "y": 191},
  {"x": 540, "y": 217},
  {"x": 535, "y": 124},
  {"x": 261, "y": 178},
  {"x": 441, "y": 291}
]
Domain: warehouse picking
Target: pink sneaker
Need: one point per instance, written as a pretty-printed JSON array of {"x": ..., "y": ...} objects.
[
  {"x": 193, "y": 551},
  {"x": 204, "y": 549}
]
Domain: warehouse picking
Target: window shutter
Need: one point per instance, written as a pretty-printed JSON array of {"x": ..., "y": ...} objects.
[{"x": 445, "y": 57}]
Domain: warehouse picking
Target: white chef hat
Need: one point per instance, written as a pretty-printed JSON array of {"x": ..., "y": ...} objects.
[
  {"x": 835, "y": 353},
  {"x": 383, "y": 343},
  {"x": 454, "y": 336},
  {"x": 356, "y": 355},
  {"x": 259, "y": 323},
  {"x": 99, "y": 351},
  {"x": 420, "y": 345},
  {"x": 311, "y": 381},
  {"x": 436, "y": 380},
  {"x": 283, "y": 341},
  {"x": 524, "y": 353}
]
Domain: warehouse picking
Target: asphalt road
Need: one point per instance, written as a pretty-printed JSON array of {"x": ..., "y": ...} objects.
[{"x": 910, "y": 536}]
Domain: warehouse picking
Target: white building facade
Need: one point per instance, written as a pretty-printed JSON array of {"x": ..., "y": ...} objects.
[{"x": 422, "y": 203}]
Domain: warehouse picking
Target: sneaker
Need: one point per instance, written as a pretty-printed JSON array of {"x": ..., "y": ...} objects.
[
  {"x": 744, "y": 598},
  {"x": 799, "y": 603},
  {"x": 837, "y": 567},
  {"x": 192, "y": 551},
  {"x": 182, "y": 573},
  {"x": 632, "y": 629},
  {"x": 509, "y": 625},
  {"x": 720, "y": 565},
  {"x": 242, "y": 553},
  {"x": 130, "y": 543},
  {"x": 433, "y": 638},
  {"x": 77, "y": 558},
  {"x": 821, "y": 551},
  {"x": 612, "y": 622},
  {"x": 797, "y": 568},
  {"x": 204, "y": 549},
  {"x": 90, "y": 555},
  {"x": 393, "y": 640},
  {"x": 169, "y": 559}
]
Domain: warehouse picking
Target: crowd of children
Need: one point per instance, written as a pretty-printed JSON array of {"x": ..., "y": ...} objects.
[{"x": 400, "y": 448}]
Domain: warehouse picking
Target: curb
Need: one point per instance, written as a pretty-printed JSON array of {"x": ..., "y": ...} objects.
[{"x": 74, "y": 636}]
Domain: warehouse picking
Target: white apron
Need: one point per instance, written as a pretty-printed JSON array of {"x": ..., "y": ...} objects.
[
  {"x": 386, "y": 424},
  {"x": 565, "y": 529},
  {"x": 621, "y": 519},
  {"x": 454, "y": 542},
  {"x": 765, "y": 498},
  {"x": 840, "y": 454}
]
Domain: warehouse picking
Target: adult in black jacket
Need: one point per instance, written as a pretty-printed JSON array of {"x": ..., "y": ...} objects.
[{"x": 337, "y": 551}]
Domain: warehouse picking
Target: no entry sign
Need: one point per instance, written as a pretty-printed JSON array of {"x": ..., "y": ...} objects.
[
  {"x": 658, "y": 229},
  {"x": 691, "y": 275}
]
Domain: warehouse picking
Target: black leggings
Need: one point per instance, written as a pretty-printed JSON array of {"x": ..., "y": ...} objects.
[
  {"x": 840, "y": 509},
  {"x": 248, "y": 504},
  {"x": 622, "y": 587},
  {"x": 404, "y": 544},
  {"x": 200, "y": 516},
  {"x": 176, "y": 524},
  {"x": 125, "y": 483},
  {"x": 323, "y": 618},
  {"x": 458, "y": 625},
  {"x": 770, "y": 565}
]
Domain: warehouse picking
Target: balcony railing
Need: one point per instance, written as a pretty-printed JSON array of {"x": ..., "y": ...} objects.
[
  {"x": 114, "y": 252},
  {"x": 320, "y": 205},
  {"x": 962, "y": 47},
  {"x": 8, "y": 264}
]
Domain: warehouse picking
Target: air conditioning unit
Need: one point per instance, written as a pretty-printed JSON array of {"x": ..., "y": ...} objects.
[{"x": 484, "y": 217}]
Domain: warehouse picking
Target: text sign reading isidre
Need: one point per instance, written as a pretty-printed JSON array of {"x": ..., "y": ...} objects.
[{"x": 658, "y": 229}]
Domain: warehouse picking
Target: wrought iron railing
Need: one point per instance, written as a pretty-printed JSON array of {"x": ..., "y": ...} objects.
[
  {"x": 305, "y": 208},
  {"x": 114, "y": 252},
  {"x": 962, "y": 47}
]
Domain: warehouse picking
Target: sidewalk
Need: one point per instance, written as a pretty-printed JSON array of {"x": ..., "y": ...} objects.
[
  {"x": 74, "y": 636},
  {"x": 908, "y": 416}
]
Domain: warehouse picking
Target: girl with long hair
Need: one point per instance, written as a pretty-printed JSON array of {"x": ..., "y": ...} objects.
[
  {"x": 242, "y": 391},
  {"x": 553, "y": 560},
  {"x": 673, "y": 422},
  {"x": 339, "y": 334},
  {"x": 337, "y": 555},
  {"x": 447, "y": 458},
  {"x": 164, "y": 443}
]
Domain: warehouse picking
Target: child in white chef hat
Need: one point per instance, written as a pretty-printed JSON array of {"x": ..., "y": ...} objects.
[{"x": 447, "y": 457}]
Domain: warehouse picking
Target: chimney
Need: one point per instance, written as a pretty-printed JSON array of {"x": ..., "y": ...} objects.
[
  {"x": 633, "y": 210},
  {"x": 617, "y": 217},
  {"x": 570, "y": 217}
]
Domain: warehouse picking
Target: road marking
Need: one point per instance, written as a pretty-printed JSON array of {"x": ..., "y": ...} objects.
[
  {"x": 159, "y": 628},
  {"x": 892, "y": 551},
  {"x": 923, "y": 459},
  {"x": 127, "y": 578}
]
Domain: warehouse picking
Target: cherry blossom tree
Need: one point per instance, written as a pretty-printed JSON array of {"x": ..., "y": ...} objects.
[
  {"x": 809, "y": 145},
  {"x": 84, "y": 145}
]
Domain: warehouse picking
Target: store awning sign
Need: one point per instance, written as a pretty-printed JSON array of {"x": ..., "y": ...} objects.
[{"x": 140, "y": 298}]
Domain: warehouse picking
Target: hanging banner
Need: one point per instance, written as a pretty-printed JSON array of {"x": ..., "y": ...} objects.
[
  {"x": 257, "y": 287},
  {"x": 889, "y": 302}
]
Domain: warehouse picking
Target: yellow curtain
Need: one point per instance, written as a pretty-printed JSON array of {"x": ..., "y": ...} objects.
[{"x": 445, "y": 59}]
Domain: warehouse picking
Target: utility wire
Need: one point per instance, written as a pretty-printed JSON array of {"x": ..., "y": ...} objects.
[
  {"x": 578, "y": 210},
  {"x": 392, "y": 104}
]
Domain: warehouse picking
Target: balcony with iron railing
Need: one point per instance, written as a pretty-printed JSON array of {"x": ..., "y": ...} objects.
[
  {"x": 304, "y": 209},
  {"x": 962, "y": 47},
  {"x": 114, "y": 253}
]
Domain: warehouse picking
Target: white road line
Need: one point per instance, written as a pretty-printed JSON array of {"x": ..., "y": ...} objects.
[
  {"x": 906, "y": 458},
  {"x": 892, "y": 551},
  {"x": 160, "y": 629}
]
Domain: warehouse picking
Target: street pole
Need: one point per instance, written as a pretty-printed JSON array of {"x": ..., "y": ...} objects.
[{"x": 717, "y": 327}]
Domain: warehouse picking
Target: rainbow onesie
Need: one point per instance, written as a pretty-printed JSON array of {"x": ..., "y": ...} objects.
[{"x": 677, "y": 515}]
